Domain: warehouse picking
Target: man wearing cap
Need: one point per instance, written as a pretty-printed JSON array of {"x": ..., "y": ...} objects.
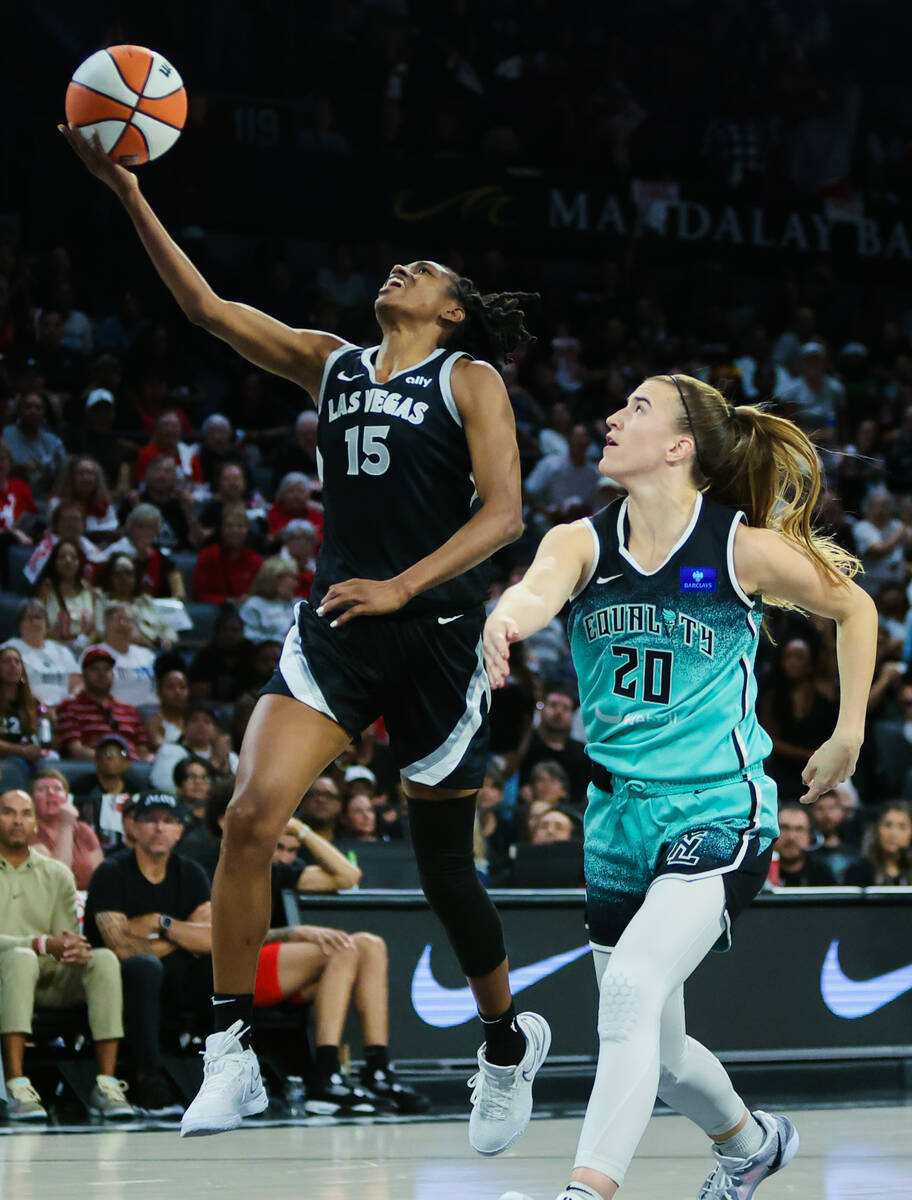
[
  {"x": 151, "y": 907},
  {"x": 84, "y": 719},
  {"x": 94, "y": 436},
  {"x": 818, "y": 398},
  {"x": 101, "y": 797}
]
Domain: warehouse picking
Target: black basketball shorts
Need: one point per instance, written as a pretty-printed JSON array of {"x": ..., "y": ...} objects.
[{"x": 424, "y": 675}]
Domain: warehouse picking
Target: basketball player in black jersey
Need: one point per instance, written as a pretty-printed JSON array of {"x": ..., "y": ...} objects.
[{"x": 421, "y": 484}]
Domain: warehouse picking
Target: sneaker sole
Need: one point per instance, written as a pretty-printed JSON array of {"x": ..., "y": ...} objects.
[
  {"x": 202, "y": 1127},
  {"x": 327, "y": 1108},
  {"x": 545, "y": 1031}
]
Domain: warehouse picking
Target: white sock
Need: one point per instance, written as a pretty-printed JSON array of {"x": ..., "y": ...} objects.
[{"x": 746, "y": 1142}]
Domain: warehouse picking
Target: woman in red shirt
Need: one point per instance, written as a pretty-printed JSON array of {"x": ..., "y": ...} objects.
[
  {"x": 227, "y": 569},
  {"x": 293, "y": 500}
]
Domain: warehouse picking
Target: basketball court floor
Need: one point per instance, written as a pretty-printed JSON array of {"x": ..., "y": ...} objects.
[{"x": 846, "y": 1154}]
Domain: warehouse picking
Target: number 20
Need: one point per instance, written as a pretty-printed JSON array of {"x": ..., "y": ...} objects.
[
  {"x": 657, "y": 666},
  {"x": 376, "y": 458}
]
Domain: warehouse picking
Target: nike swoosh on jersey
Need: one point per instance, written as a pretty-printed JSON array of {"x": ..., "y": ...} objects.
[
  {"x": 854, "y": 998},
  {"x": 607, "y": 578},
  {"x": 444, "y": 1007},
  {"x": 349, "y": 378},
  {"x": 446, "y": 620}
]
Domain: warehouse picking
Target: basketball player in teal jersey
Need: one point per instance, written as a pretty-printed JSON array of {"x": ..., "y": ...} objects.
[
  {"x": 665, "y": 591},
  {"x": 421, "y": 484}
]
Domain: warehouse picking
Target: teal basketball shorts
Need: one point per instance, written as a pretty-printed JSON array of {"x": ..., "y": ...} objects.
[{"x": 638, "y": 831}]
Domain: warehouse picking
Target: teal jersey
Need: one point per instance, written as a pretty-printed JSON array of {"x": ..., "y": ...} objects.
[{"x": 665, "y": 658}]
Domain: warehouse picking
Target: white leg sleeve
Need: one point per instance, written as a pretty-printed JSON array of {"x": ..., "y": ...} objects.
[{"x": 675, "y": 929}]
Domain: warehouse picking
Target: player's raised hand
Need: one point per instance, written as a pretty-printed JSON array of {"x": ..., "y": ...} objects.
[
  {"x": 362, "y": 598},
  {"x": 499, "y": 633},
  {"x": 118, "y": 178},
  {"x": 832, "y": 764}
]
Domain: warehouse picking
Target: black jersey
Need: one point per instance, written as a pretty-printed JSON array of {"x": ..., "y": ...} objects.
[{"x": 396, "y": 473}]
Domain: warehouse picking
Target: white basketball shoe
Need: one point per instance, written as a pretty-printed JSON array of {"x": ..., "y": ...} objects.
[
  {"x": 232, "y": 1087},
  {"x": 502, "y": 1096},
  {"x": 739, "y": 1178}
]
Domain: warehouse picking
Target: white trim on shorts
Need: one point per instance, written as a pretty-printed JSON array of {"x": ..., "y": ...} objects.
[
  {"x": 295, "y": 670},
  {"x": 440, "y": 763}
]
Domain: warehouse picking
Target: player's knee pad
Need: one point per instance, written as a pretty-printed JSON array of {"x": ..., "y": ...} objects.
[
  {"x": 442, "y": 832},
  {"x": 626, "y": 1003}
]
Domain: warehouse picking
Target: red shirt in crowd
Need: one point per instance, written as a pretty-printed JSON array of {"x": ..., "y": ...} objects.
[
  {"x": 16, "y": 499},
  {"x": 277, "y": 518},
  {"x": 80, "y": 718},
  {"x": 219, "y": 576},
  {"x": 153, "y": 450}
]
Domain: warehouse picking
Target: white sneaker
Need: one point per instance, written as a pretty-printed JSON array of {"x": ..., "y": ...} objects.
[
  {"x": 23, "y": 1102},
  {"x": 232, "y": 1087},
  {"x": 109, "y": 1099},
  {"x": 739, "y": 1178},
  {"x": 502, "y": 1096}
]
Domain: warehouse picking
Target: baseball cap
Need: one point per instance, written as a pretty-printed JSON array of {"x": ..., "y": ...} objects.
[
  {"x": 149, "y": 801},
  {"x": 353, "y": 773},
  {"x": 115, "y": 739},
  {"x": 812, "y": 348},
  {"x": 95, "y": 654},
  {"x": 99, "y": 396}
]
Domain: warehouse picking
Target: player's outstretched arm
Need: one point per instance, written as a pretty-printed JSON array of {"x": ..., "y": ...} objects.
[
  {"x": 295, "y": 354},
  {"x": 562, "y": 562}
]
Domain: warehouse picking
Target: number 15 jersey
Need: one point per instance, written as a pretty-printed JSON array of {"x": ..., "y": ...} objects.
[
  {"x": 665, "y": 658},
  {"x": 396, "y": 473}
]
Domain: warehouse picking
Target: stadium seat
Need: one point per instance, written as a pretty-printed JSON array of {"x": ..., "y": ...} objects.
[
  {"x": 203, "y": 617},
  {"x": 186, "y": 564}
]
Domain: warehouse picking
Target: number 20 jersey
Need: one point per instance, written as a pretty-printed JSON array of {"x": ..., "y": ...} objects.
[
  {"x": 397, "y": 476},
  {"x": 665, "y": 658}
]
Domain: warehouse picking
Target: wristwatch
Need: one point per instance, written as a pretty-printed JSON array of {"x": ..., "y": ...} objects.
[{"x": 164, "y": 924}]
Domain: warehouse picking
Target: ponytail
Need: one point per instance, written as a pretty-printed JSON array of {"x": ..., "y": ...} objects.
[
  {"x": 494, "y": 324},
  {"x": 747, "y": 458}
]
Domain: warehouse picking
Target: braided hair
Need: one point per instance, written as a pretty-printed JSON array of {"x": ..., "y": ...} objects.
[{"x": 494, "y": 324}]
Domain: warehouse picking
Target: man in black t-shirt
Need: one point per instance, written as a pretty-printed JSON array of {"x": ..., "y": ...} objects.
[
  {"x": 798, "y": 866},
  {"x": 551, "y": 742},
  {"x": 151, "y": 907}
]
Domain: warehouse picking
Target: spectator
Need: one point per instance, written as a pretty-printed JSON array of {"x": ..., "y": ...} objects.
[
  {"x": 358, "y": 819},
  {"x": 167, "y": 442},
  {"x": 893, "y": 745},
  {"x": 881, "y": 538},
  {"x": 94, "y": 436},
  {"x": 886, "y": 850},
  {"x": 81, "y": 480},
  {"x": 84, "y": 719},
  {"x": 158, "y": 573},
  {"x": 52, "y": 670},
  {"x": 119, "y": 583},
  {"x": 299, "y": 457},
  {"x": 263, "y": 663},
  {"x": 151, "y": 907},
  {"x": 67, "y": 523},
  {"x": 797, "y": 714},
  {"x": 293, "y": 501},
  {"x": 37, "y": 454},
  {"x": 321, "y": 808},
  {"x": 268, "y": 611},
  {"x": 44, "y": 960},
  {"x": 551, "y": 742},
  {"x": 17, "y": 504},
  {"x": 70, "y": 602},
  {"x": 59, "y": 829},
  {"x": 798, "y": 867},
  {"x": 134, "y": 666},
  {"x": 167, "y": 724},
  {"x": 557, "y": 825},
  {"x": 816, "y": 398},
  {"x": 218, "y": 670},
  {"x": 202, "y": 737},
  {"x": 892, "y": 610},
  {"x": 165, "y": 491},
  {"x": 226, "y": 570},
  {"x": 21, "y": 748},
  {"x": 828, "y": 819},
  {"x": 102, "y": 797},
  {"x": 194, "y": 778},
  {"x": 60, "y": 369},
  {"x": 559, "y": 483},
  {"x": 217, "y": 448},
  {"x": 232, "y": 488},
  {"x": 299, "y": 546},
  {"x": 549, "y": 784}
]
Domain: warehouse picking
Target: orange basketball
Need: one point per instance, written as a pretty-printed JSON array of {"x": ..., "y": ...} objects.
[{"x": 132, "y": 98}]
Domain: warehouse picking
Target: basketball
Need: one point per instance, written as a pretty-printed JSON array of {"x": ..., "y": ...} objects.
[{"x": 132, "y": 98}]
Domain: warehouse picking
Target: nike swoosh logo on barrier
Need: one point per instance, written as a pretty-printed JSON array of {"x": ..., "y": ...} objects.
[
  {"x": 349, "y": 378},
  {"x": 444, "y": 1007},
  {"x": 446, "y": 620},
  {"x": 854, "y": 998},
  {"x": 606, "y": 578}
]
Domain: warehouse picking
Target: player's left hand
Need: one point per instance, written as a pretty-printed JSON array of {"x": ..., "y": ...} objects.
[
  {"x": 831, "y": 764},
  {"x": 362, "y": 598}
]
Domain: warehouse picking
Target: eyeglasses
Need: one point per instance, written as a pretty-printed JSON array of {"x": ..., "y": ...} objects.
[{"x": 113, "y": 752}]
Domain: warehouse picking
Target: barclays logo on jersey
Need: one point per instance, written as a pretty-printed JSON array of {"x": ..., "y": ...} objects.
[{"x": 698, "y": 579}]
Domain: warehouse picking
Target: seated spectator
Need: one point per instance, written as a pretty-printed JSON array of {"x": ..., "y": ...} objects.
[
  {"x": 160, "y": 577},
  {"x": 82, "y": 480},
  {"x": 233, "y": 488},
  {"x": 119, "y": 583},
  {"x": 881, "y": 540},
  {"x": 321, "y": 808},
  {"x": 194, "y": 778},
  {"x": 551, "y": 742},
  {"x": 134, "y": 666},
  {"x": 798, "y": 714},
  {"x": 560, "y": 483},
  {"x": 358, "y": 819},
  {"x": 67, "y": 523},
  {"x": 167, "y": 442},
  {"x": 203, "y": 737},
  {"x": 84, "y": 719},
  {"x": 44, "y": 960},
  {"x": 816, "y": 400},
  {"x": 101, "y": 798},
  {"x": 268, "y": 611},
  {"x": 217, "y": 447},
  {"x": 52, "y": 670},
  {"x": 828, "y": 817},
  {"x": 893, "y": 746},
  {"x": 59, "y": 829},
  {"x": 164, "y": 490},
  {"x": 557, "y": 825},
  {"x": 262, "y": 665},
  {"x": 550, "y": 783},
  {"x": 298, "y": 456},
  {"x": 293, "y": 502},
  {"x": 892, "y": 612},
  {"x": 151, "y": 907},
  {"x": 886, "y": 852},
  {"x": 18, "y": 510},
  {"x": 21, "y": 750},
  {"x": 167, "y": 725},
  {"x": 94, "y": 436},
  {"x": 218, "y": 671},
  {"x": 37, "y": 454},
  {"x": 798, "y": 865},
  {"x": 226, "y": 570},
  {"x": 299, "y": 546},
  {"x": 70, "y": 602}
]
